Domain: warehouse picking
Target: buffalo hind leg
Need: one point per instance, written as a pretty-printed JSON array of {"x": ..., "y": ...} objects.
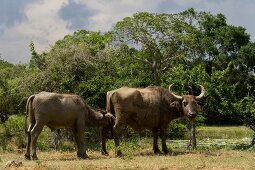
[
  {"x": 34, "y": 136},
  {"x": 163, "y": 138},
  {"x": 27, "y": 154},
  {"x": 117, "y": 129},
  {"x": 155, "y": 141},
  {"x": 103, "y": 135}
]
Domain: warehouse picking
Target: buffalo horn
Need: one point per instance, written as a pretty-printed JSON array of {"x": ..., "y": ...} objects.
[
  {"x": 176, "y": 96},
  {"x": 202, "y": 92}
]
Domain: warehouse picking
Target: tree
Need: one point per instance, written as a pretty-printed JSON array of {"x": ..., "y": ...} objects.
[
  {"x": 246, "y": 58},
  {"x": 151, "y": 37},
  {"x": 37, "y": 61},
  {"x": 11, "y": 92}
]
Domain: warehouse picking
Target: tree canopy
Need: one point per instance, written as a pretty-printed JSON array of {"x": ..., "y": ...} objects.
[{"x": 186, "y": 48}]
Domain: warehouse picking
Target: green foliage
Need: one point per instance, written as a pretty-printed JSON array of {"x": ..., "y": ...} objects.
[
  {"x": 67, "y": 146},
  {"x": 5, "y": 64},
  {"x": 186, "y": 49},
  {"x": 12, "y": 130},
  {"x": 42, "y": 144},
  {"x": 178, "y": 129},
  {"x": 39, "y": 162},
  {"x": 11, "y": 90},
  {"x": 37, "y": 60},
  {"x": 247, "y": 108},
  {"x": 94, "y": 90},
  {"x": 227, "y": 88},
  {"x": 246, "y": 57},
  {"x": 154, "y": 35}
]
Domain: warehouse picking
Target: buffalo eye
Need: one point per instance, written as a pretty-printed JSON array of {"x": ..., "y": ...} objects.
[{"x": 184, "y": 103}]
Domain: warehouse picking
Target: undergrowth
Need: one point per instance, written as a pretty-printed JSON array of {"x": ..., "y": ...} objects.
[{"x": 13, "y": 138}]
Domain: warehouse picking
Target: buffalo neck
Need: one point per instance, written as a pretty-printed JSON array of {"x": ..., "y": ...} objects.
[{"x": 94, "y": 119}]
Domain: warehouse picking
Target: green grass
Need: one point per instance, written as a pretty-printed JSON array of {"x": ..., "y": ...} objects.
[
  {"x": 218, "y": 148},
  {"x": 225, "y": 132}
]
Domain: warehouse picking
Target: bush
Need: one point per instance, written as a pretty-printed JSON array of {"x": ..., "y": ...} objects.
[
  {"x": 12, "y": 133},
  {"x": 178, "y": 129}
]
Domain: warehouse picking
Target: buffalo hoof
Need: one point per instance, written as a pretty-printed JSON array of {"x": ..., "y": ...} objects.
[
  {"x": 27, "y": 157},
  {"x": 83, "y": 156},
  {"x": 104, "y": 153},
  {"x": 34, "y": 157},
  {"x": 157, "y": 152},
  {"x": 166, "y": 152},
  {"x": 118, "y": 154}
]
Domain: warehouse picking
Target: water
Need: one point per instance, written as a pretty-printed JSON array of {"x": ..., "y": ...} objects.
[{"x": 208, "y": 142}]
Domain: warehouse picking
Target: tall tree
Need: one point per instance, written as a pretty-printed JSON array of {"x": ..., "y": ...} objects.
[
  {"x": 152, "y": 39},
  {"x": 162, "y": 40}
]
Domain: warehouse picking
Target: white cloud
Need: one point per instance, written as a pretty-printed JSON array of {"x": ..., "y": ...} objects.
[
  {"x": 42, "y": 25},
  {"x": 109, "y": 12}
]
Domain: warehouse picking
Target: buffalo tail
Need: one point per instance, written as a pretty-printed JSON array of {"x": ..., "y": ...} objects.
[{"x": 28, "y": 109}]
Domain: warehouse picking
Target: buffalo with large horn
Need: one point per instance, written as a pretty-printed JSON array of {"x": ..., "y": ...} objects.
[{"x": 149, "y": 108}]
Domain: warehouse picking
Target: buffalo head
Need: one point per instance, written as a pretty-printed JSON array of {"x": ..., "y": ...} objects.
[
  {"x": 108, "y": 120},
  {"x": 189, "y": 102}
]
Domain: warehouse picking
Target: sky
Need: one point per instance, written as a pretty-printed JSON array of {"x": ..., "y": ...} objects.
[{"x": 46, "y": 21}]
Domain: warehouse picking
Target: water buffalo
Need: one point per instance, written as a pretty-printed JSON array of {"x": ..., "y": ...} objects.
[
  {"x": 62, "y": 110},
  {"x": 151, "y": 108}
]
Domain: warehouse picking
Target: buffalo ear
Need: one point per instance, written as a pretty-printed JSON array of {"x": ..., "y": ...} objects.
[{"x": 103, "y": 112}]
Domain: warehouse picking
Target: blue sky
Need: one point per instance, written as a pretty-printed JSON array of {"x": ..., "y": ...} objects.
[{"x": 46, "y": 21}]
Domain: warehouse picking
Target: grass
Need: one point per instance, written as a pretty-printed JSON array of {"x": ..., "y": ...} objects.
[
  {"x": 225, "y": 132},
  {"x": 142, "y": 158},
  {"x": 228, "y": 152}
]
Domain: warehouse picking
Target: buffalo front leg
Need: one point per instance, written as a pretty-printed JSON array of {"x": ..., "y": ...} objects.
[
  {"x": 34, "y": 136},
  {"x": 155, "y": 141},
  {"x": 163, "y": 138},
  {"x": 104, "y": 134},
  {"x": 79, "y": 138}
]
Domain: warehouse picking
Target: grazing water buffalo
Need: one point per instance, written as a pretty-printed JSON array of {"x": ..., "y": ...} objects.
[
  {"x": 151, "y": 108},
  {"x": 62, "y": 110}
]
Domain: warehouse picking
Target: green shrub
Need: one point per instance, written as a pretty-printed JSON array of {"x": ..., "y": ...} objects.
[
  {"x": 42, "y": 145},
  {"x": 178, "y": 129},
  {"x": 67, "y": 146},
  {"x": 12, "y": 133}
]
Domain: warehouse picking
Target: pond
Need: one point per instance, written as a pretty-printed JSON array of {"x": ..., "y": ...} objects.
[{"x": 212, "y": 143}]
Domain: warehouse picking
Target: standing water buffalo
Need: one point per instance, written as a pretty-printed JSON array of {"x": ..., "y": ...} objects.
[
  {"x": 151, "y": 108},
  {"x": 62, "y": 110}
]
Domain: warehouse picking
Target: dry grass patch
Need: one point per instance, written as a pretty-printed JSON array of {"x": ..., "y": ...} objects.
[{"x": 179, "y": 159}]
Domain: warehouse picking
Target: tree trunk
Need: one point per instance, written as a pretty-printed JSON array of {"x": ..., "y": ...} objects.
[
  {"x": 193, "y": 142},
  {"x": 156, "y": 78},
  {"x": 155, "y": 74}
]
